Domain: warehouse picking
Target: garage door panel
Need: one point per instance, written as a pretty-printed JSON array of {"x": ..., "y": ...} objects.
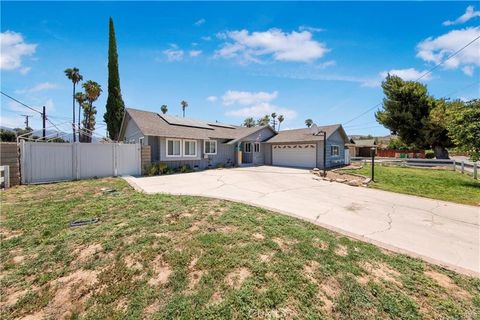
[{"x": 294, "y": 155}]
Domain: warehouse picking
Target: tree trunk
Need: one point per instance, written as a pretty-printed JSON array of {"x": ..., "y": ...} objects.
[
  {"x": 73, "y": 122},
  {"x": 440, "y": 152}
]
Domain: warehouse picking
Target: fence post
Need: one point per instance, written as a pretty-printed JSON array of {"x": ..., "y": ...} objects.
[
  {"x": 115, "y": 168},
  {"x": 6, "y": 177},
  {"x": 463, "y": 166},
  {"x": 475, "y": 170},
  {"x": 454, "y": 165}
]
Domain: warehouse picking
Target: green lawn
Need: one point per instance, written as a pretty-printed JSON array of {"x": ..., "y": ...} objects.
[
  {"x": 164, "y": 257},
  {"x": 430, "y": 183}
]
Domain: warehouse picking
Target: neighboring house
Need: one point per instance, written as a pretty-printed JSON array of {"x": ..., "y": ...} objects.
[
  {"x": 179, "y": 141},
  {"x": 361, "y": 148}
]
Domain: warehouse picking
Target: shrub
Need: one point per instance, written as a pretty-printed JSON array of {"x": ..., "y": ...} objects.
[
  {"x": 162, "y": 168},
  {"x": 220, "y": 165},
  {"x": 152, "y": 169},
  {"x": 185, "y": 168},
  {"x": 429, "y": 154}
]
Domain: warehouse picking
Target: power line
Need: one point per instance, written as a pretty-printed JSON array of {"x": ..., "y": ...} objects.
[
  {"x": 17, "y": 101},
  {"x": 423, "y": 75}
]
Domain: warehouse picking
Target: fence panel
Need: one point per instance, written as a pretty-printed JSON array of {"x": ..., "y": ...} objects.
[{"x": 48, "y": 162}]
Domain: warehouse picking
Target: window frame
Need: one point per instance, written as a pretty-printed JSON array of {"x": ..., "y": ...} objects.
[
  {"x": 196, "y": 149},
  {"x": 255, "y": 147},
  {"x": 173, "y": 155},
  {"x": 338, "y": 150},
  {"x": 205, "y": 147},
  {"x": 245, "y": 147}
]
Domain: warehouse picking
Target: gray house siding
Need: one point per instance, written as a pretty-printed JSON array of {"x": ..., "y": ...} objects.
[
  {"x": 335, "y": 139},
  {"x": 132, "y": 132},
  {"x": 259, "y": 136},
  {"x": 225, "y": 154},
  {"x": 267, "y": 153},
  {"x": 154, "y": 143}
]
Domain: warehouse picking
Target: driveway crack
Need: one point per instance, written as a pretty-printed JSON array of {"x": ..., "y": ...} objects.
[{"x": 389, "y": 222}]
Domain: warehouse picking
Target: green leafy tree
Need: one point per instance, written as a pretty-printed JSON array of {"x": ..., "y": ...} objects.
[
  {"x": 407, "y": 111},
  {"x": 264, "y": 121},
  {"x": 463, "y": 126},
  {"x": 281, "y": 118},
  {"x": 164, "y": 108},
  {"x": 92, "y": 92},
  {"x": 249, "y": 122},
  {"x": 308, "y": 123},
  {"x": 80, "y": 97},
  {"x": 184, "y": 105},
  {"x": 7, "y": 135},
  {"x": 115, "y": 107},
  {"x": 74, "y": 75}
]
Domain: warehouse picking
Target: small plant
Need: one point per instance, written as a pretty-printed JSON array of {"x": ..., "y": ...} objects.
[
  {"x": 220, "y": 166},
  {"x": 151, "y": 169},
  {"x": 429, "y": 154},
  {"x": 185, "y": 168},
  {"x": 162, "y": 168}
]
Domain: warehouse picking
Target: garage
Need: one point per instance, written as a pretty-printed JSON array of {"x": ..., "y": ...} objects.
[{"x": 294, "y": 155}]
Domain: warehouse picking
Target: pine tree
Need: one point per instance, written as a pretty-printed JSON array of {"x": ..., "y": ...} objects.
[{"x": 115, "y": 106}]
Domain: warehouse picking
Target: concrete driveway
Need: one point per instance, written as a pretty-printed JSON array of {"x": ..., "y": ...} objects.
[{"x": 441, "y": 232}]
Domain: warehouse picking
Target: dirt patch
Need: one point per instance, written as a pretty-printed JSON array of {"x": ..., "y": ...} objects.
[
  {"x": 322, "y": 245},
  {"x": 284, "y": 244},
  {"x": 266, "y": 257},
  {"x": 151, "y": 309},
  {"x": 258, "y": 236},
  {"x": 216, "y": 298},
  {"x": 71, "y": 293},
  {"x": 84, "y": 253},
  {"x": 236, "y": 278},
  {"x": 382, "y": 272},
  {"x": 341, "y": 250},
  {"x": 446, "y": 282},
  {"x": 329, "y": 290},
  {"x": 309, "y": 270},
  {"x": 7, "y": 234},
  {"x": 162, "y": 272},
  {"x": 227, "y": 229},
  {"x": 132, "y": 262},
  {"x": 12, "y": 297}
]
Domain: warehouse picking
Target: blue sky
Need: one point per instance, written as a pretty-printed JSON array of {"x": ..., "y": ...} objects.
[{"x": 323, "y": 61}]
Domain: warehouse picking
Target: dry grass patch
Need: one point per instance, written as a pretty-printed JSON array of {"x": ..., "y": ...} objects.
[
  {"x": 446, "y": 282},
  {"x": 341, "y": 251},
  {"x": 236, "y": 278},
  {"x": 381, "y": 272},
  {"x": 162, "y": 272}
]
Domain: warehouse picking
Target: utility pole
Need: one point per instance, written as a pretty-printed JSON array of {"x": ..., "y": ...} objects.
[
  {"x": 44, "y": 118},
  {"x": 26, "y": 120}
]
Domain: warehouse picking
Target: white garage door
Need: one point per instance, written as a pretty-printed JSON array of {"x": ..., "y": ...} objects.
[{"x": 294, "y": 155}]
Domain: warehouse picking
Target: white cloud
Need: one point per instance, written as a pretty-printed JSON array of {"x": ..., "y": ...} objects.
[
  {"x": 206, "y": 38},
  {"x": 470, "y": 13},
  {"x": 195, "y": 53},
  {"x": 468, "y": 70},
  {"x": 212, "y": 98},
  {"x": 438, "y": 49},
  {"x": 39, "y": 87},
  {"x": 13, "y": 48},
  {"x": 12, "y": 122},
  {"x": 254, "y": 104},
  {"x": 409, "y": 74},
  {"x": 200, "y": 22},
  {"x": 174, "y": 53},
  {"x": 282, "y": 46},
  {"x": 246, "y": 98},
  {"x": 311, "y": 29}
]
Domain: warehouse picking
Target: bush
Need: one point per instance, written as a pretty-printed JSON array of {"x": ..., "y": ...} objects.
[
  {"x": 185, "y": 168},
  {"x": 429, "y": 154},
  {"x": 162, "y": 168},
  {"x": 220, "y": 165},
  {"x": 151, "y": 169}
]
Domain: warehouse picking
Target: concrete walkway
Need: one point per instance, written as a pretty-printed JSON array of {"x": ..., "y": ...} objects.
[{"x": 440, "y": 232}]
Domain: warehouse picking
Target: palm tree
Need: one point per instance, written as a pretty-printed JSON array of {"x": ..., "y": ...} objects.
[
  {"x": 308, "y": 122},
  {"x": 274, "y": 122},
  {"x": 80, "y": 97},
  {"x": 164, "y": 108},
  {"x": 74, "y": 75},
  {"x": 264, "y": 121},
  {"x": 249, "y": 122},
  {"x": 92, "y": 92},
  {"x": 280, "y": 120},
  {"x": 184, "y": 105}
]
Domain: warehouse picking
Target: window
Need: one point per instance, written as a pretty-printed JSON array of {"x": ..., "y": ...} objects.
[
  {"x": 140, "y": 140},
  {"x": 335, "y": 150},
  {"x": 256, "y": 147},
  {"x": 210, "y": 147},
  {"x": 173, "y": 148},
  {"x": 189, "y": 148},
  {"x": 247, "y": 147}
]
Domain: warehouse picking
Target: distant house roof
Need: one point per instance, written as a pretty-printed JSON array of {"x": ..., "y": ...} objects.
[
  {"x": 154, "y": 124},
  {"x": 306, "y": 134},
  {"x": 365, "y": 143}
]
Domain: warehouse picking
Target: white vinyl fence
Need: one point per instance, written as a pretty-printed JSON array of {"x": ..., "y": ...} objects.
[{"x": 48, "y": 162}]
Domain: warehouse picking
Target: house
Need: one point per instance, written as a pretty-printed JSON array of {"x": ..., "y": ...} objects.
[
  {"x": 361, "y": 148},
  {"x": 179, "y": 141}
]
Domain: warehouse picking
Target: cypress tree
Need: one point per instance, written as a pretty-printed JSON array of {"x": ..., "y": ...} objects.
[{"x": 115, "y": 106}]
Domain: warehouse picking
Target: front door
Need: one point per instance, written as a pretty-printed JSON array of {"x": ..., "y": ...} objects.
[{"x": 247, "y": 155}]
